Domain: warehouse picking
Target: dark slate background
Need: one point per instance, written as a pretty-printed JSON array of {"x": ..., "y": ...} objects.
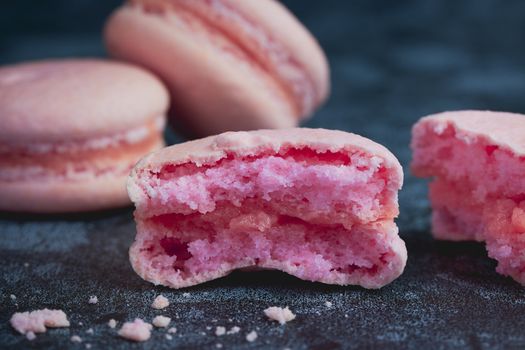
[{"x": 392, "y": 62}]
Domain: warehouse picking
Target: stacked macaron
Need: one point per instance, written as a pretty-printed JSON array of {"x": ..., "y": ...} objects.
[{"x": 71, "y": 130}]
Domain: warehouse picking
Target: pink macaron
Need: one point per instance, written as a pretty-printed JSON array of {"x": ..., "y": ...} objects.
[
  {"x": 71, "y": 130},
  {"x": 229, "y": 64},
  {"x": 477, "y": 162},
  {"x": 317, "y": 204}
]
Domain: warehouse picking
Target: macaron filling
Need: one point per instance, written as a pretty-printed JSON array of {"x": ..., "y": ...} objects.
[
  {"x": 78, "y": 159},
  {"x": 319, "y": 216}
]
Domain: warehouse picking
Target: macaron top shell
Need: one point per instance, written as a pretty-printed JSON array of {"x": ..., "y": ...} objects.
[
  {"x": 75, "y": 100},
  {"x": 503, "y": 129},
  {"x": 211, "y": 149}
]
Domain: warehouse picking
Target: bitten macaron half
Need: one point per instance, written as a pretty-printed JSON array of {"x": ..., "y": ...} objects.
[
  {"x": 476, "y": 160},
  {"x": 229, "y": 64},
  {"x": 71, "y": 130},
  {"x": 318, "y": 204}
]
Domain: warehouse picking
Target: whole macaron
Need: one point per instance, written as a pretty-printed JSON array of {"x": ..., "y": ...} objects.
[
  {"x": 71, "y": 130},
  {"x": 229, "y": 64}
]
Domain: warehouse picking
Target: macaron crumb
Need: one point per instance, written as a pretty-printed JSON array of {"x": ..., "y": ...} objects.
[
  {"x": 218, "y": 346},
  {"x": 186, "y": 295},
  {"x": 88, "y": 346},
  {"x": 112, "y": 323},
  {"x": 161, "y": 321},
  {"x": 234, "y": 330},
  {"x": 220, "y": 330},
  {"x": 251, "y": 336},
  {"x": 90, "y": 331},
  {"x": 93, "y": 299},
  {"x": 30, "y": 336},
  {"x": 172, "y": 330},
  {"x": 13, "y": 297},
  {"x": 168, "y": 336},
  {"x": 328, "y": 304},
  {"x": 37, "y": 321},
  {"x": 76, "y": 339},
  {"x": 160, "y": 302},
  {"x": 138, "y": 330},
  {"x": 279, "y": 314}
]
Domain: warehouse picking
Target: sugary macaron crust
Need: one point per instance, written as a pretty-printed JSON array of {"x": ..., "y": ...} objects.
[
  {"x": 477, "y": 162},
  {"x": 318, "y": 204},
  {"x": 252, "y": 62},
  {"x": 71, "y": 130}
]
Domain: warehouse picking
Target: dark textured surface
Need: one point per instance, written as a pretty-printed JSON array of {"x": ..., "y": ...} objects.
[{"x": 392, "y": 62}]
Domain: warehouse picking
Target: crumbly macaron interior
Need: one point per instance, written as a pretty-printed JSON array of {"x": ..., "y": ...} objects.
[
  {"x": 303, "y": 212},
  {"x": 477, "y": 192}
]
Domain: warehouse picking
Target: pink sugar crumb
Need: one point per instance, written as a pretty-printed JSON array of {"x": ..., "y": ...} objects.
[
  {"x": 76, "y": 339},
  {"x": 321, "y": 218},
  {"x": 161, "y": 321},
  {"x": 279, "y": 314},
  {"x": 234, "y": 330},
  {"x": 137, "y": 330},
  {"x": 112, "y": 323},
  {"x": 160, "y": 302},
  {"x": 478, "y": 191},
  {"x": 220, "y": 330},
  {"x": 37, "y": 321},
  {"x": 252, "y": 336}
]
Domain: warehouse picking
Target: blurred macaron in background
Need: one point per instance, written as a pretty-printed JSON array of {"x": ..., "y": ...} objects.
[
  {"x": 230, "y": 65},
  {"x": 72, "y": 129}
]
